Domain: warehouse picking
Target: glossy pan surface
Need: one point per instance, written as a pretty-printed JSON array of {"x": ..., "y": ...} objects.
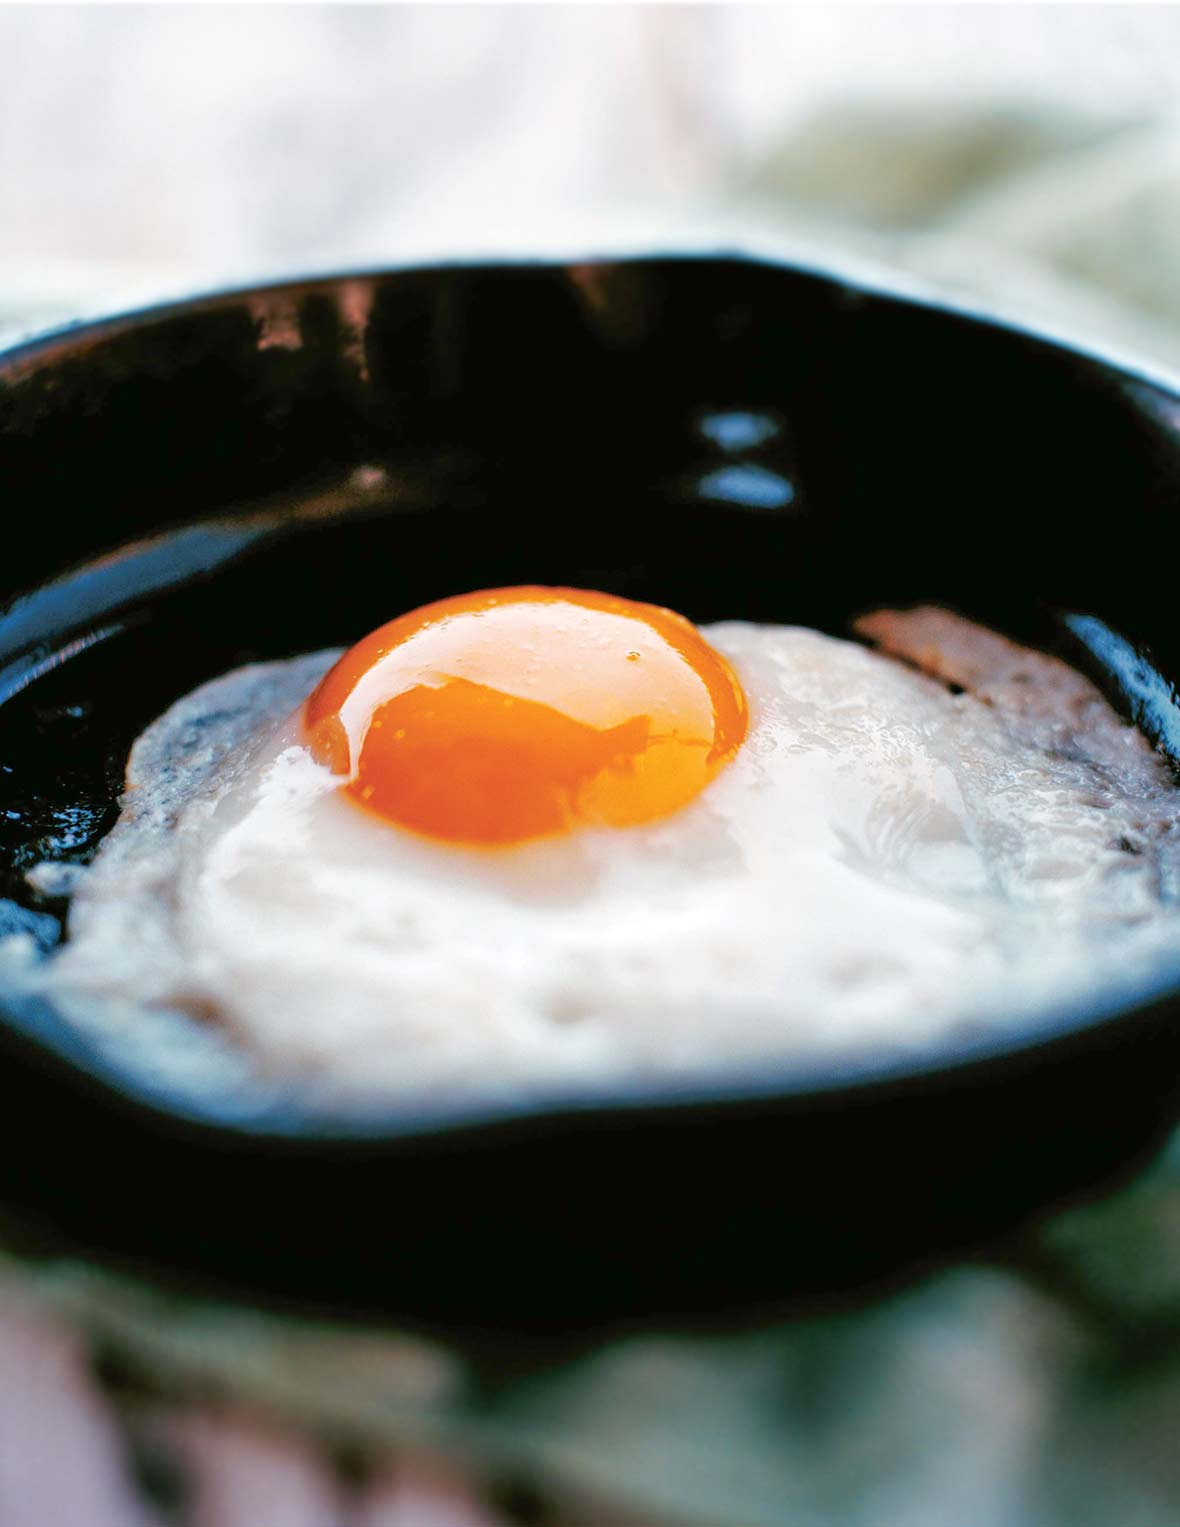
[{"x": 263, "y": 473}]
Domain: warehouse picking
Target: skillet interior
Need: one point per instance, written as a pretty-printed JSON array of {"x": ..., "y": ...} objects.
[{"x": 284, "y": 469}]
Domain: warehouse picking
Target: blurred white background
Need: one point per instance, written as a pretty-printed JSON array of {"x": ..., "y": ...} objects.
[{"x": 1028, "y": 154}]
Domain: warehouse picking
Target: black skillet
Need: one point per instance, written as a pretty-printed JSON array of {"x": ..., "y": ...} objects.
[{"x": 267, "y": 472}]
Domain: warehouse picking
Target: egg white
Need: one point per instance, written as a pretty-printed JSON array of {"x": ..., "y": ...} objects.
[{"x": 883, "y": 860}]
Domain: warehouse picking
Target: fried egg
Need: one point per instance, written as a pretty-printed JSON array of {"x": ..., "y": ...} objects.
[{"x": 544, "y": 839}]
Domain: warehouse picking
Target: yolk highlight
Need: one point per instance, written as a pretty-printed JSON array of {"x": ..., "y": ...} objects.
[{"x": 517, "y": 713}]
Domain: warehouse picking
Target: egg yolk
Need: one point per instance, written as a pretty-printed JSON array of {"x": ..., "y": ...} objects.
[{"x": 517, "y": 713}]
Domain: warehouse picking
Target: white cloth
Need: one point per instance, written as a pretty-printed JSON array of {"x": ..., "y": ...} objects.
[{"x": 1028, "y": 155}]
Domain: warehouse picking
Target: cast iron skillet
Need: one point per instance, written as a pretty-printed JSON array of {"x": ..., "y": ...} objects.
[{"x": 261, "y": 473}]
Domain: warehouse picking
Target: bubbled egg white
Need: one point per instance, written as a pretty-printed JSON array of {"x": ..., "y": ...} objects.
[{"x": 883, "y": 861}]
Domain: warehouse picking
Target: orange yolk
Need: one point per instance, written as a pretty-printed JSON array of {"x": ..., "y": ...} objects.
[{"x": 517, "y": 713}]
